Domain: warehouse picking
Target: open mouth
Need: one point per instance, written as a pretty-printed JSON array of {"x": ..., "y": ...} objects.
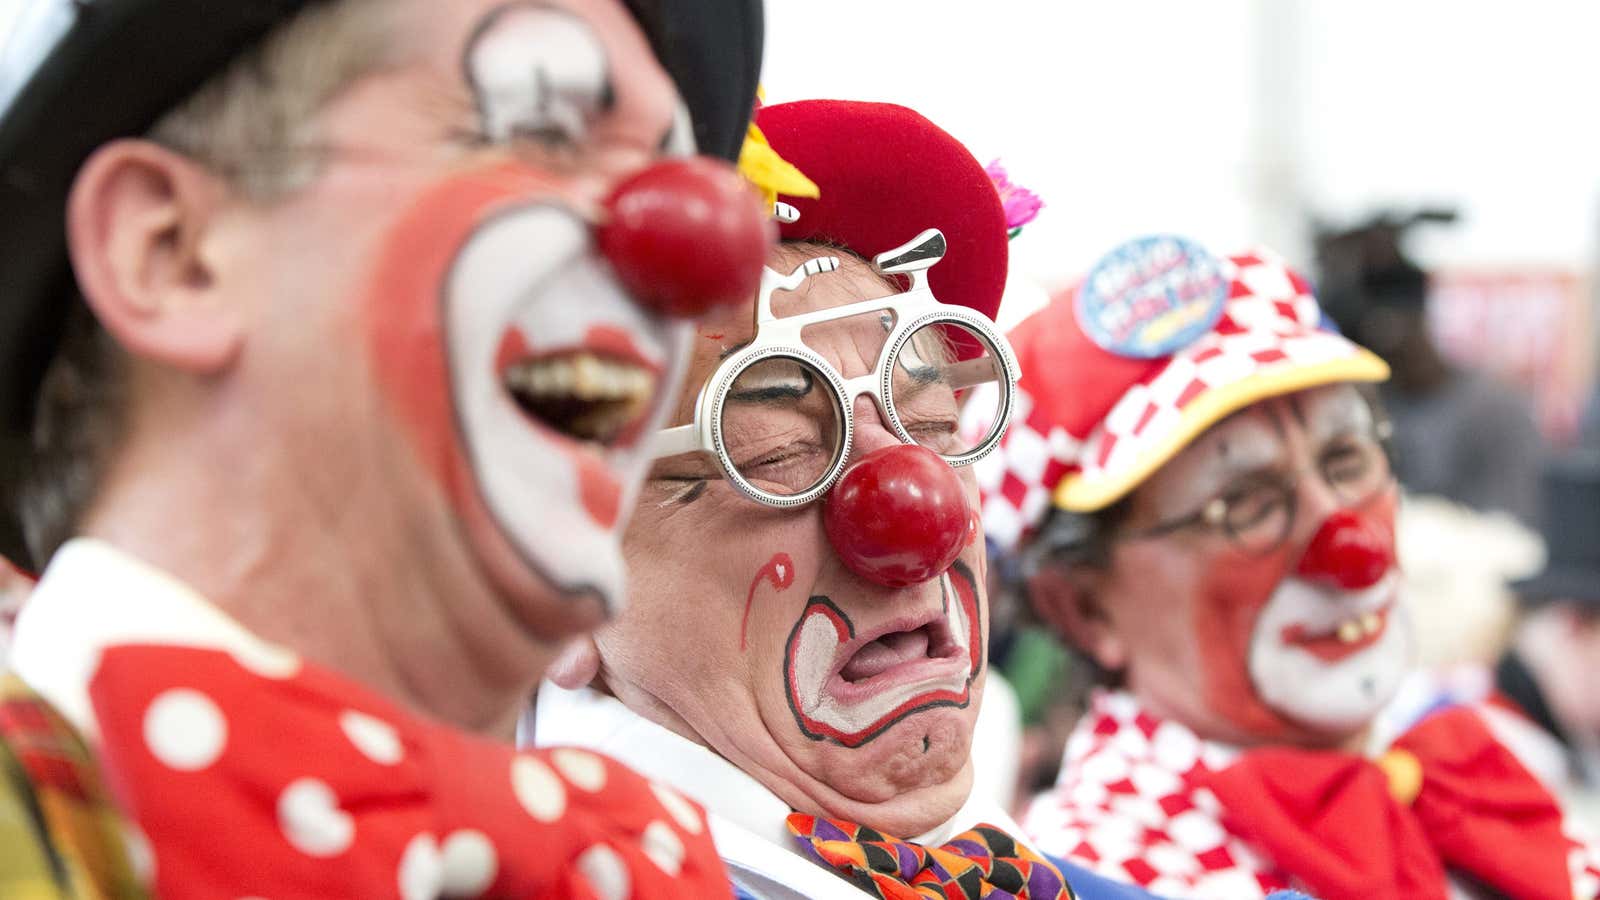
[
  {"x": 850, "y": 688},
  {"x": 896, "y": 655},
  {"x": 595, "y": 396},
  {"x": 1343, "y": 640}
]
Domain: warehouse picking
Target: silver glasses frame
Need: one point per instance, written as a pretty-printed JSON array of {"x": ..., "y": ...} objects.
[{"x": 781, "y": 337}]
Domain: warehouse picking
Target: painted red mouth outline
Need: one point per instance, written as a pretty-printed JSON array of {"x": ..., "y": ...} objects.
[
  {"x": 966, "y": 591},
  {"x": 1327, "y": 647}
]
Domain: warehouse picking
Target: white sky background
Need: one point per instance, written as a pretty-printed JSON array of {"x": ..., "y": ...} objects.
[{"x": 1231, "y": 120}]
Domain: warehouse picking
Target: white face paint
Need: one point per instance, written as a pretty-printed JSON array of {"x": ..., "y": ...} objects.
[
  {"x": 555, "y": 375},
  {"x": 1331, "y": 659},
  {"x": 911, "y": 666},
  {"x": 538, "y": 71}
]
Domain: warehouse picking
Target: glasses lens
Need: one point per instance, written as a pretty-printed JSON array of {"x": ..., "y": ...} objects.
[
  {"x": 947, "y": 388},
  {"x": 1356, "y": 468},
  {"x": 1258, "y": 513},
  {"x": 782, "y": 426}
]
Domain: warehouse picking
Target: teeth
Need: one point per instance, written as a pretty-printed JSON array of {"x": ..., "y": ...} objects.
[
  {"x": 1370, "y": 623},
  {"x": 585, "y": 376},
  {"x": 1349, "y": 632},
  {"x": 585, "y": 396}
]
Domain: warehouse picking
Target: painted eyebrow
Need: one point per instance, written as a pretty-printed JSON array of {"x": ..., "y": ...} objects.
[
  {"x": 607, "y": 98},
  {"x": 769, "y": 393}
]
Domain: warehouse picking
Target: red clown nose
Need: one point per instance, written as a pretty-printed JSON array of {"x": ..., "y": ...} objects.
[
  {"x": 1348, "y": 551},
  {"x": 686, "y": 236},
  {"x": 898, "y": 516}
]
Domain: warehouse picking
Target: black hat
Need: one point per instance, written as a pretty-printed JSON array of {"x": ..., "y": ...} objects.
[
  {"x": 1571, "y": 528},
  {"x": 80, "y": 73}
]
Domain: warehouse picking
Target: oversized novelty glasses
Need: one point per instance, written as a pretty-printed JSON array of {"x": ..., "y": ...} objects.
[
  {"x": 776, "y": 415},
  {"x": 1257, "y": 512}
]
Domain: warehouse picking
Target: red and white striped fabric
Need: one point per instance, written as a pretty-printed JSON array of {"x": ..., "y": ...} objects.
[{"x": 1090, "y": 425}]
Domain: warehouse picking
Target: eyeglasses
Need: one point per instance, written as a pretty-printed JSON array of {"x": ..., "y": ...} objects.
[
  {"x": 776, "y": 415},
  {"x": 1257, "y": 512}
]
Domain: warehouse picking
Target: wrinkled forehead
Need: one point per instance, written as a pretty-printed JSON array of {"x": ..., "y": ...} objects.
[
  {"x": 844, "y": 342},
  {"x": 1268, "y": 434}
]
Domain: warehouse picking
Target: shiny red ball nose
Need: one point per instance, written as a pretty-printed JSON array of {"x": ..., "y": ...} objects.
[
  {"x": 1348, "y": 552},
  {"x": 686, "y": 236},
  {"x": 898, "y": 516}
]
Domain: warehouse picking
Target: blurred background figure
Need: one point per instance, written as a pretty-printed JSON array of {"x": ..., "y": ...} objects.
[
  {"x": 1552, "y": 667},
  {"x": 1458, "y": 433}
]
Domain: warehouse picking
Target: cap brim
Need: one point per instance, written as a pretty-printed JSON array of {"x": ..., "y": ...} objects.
[{"x": 1081, "y": 492}]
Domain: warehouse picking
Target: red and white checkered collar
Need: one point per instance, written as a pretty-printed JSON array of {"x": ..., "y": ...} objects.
[{"x": 1126, "y": 807}]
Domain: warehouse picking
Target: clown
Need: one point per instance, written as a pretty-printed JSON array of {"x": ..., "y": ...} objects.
[
  {"x": 804, "y": 649},
  {"x": 380, "y": 304},
  {"x": 1201, "y": 494}
]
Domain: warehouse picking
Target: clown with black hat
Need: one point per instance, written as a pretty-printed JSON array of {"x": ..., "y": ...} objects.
[
  {"x": 330, "y": 337},
  {"x": 1198, "y": 488}
]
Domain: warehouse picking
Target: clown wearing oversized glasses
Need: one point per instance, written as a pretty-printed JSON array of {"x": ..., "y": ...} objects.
[
  {"x": 1200, "y": 491},
  {"x": 804, "y": 650}
]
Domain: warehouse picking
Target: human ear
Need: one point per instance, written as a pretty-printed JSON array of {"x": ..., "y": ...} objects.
[
  {"x": 140, "y": 223},
  {"x": 1069, "y": 599}
]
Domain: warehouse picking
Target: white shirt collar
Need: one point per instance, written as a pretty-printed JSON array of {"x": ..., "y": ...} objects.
[
  {"x": 93, "y": 596},
  {"x": 589, "y": 719}
]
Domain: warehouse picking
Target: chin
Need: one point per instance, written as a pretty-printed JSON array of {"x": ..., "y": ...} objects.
[
  {"x": 895, "y": 785},
  {"x": 1330, "y": 661}
]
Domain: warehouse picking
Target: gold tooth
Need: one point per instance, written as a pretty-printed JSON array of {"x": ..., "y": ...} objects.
[
  {"x": 1349, "y": 631},
  {"x": 1370, "y": 623}
]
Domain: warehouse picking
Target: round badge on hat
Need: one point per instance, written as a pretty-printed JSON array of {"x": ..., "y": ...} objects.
[{"x": 1152, "y": 296}]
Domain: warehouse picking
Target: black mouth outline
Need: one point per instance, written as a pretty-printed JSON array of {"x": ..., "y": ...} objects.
[{"x": 859, "y": 740}]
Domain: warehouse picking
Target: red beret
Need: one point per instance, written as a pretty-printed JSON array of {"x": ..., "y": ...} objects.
[{"x": 886, "y": 174}]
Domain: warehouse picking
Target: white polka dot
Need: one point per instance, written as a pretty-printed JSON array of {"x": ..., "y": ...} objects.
[
  {"x": 141, "y": 856},
  {"x": 376, "y": 739},
  {"x": 470, "y": 863},
  {"x": 683, "y": 812},
  {"x": 421, "y": 873},
  {"x": 605, "y": 872},
  {"x": 664, "y": 847},
  {"x": 185, "y": 730},
  {"x": 266, "y": 660},
  {"x": 538, "y": 789},
  {"x": 311, "y": 820},
  {"x": 585, "y": 770}
]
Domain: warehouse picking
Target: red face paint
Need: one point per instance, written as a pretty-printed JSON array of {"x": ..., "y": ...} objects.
[
  {"x": 1232, "y": 593},
  {"x": 487, "y": 311},
  {"x": 779, "y": 572},
  {"x": 824, "y": 639}
]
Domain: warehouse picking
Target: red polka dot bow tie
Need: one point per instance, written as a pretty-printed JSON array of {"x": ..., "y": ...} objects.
[
  {"x": 1447, "y": 794},
  {"x": 984, "y": 863},
  {"x": 261, "y": 776}
]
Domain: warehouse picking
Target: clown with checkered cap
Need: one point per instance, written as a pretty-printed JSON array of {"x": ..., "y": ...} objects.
[{"x": 1198, "y": 486}]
